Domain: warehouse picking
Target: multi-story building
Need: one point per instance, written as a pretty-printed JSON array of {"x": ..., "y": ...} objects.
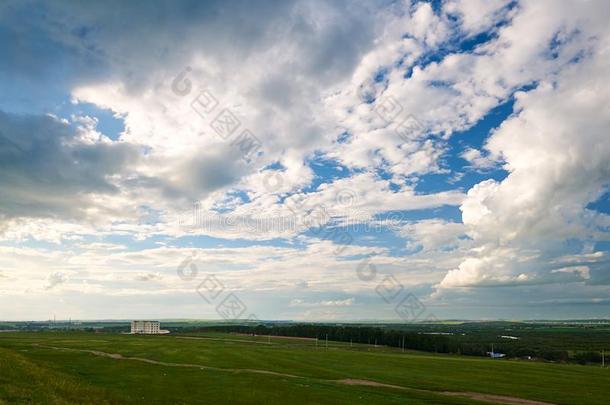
[{"x": 147, "y": 327}]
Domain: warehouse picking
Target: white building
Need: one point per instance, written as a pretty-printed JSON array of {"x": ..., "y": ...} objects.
[{"x": 146, "y": 327}]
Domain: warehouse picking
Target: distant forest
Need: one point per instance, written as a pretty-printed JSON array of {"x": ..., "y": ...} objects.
[{"x": 550, "y": 348}]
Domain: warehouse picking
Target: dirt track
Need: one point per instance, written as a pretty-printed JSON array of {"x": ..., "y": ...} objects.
[{"x": 496, "y": 399}]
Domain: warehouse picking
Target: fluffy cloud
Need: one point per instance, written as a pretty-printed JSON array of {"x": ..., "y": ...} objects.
[
  {"x": 558, "y": 157},
  {"x": 327, "y": 303},
  {"x": 478, "y": 15},
  {"x": 433, "y": 234}
]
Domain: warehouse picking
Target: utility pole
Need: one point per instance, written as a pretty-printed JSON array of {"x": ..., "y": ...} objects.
[
  {"x": 327, "y": 341},
  {"x": 603, "y": 359}
]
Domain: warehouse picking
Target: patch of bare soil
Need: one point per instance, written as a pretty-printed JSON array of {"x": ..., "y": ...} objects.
[
  {"x": 497, "y": 399},
  {"x": 369, "y": 383}
]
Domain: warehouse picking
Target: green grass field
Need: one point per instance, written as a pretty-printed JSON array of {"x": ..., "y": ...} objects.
[{"x": 76, "y": 368}]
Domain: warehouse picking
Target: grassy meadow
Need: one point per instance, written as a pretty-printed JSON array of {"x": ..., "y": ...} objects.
[{"x": 112, "y": 368}]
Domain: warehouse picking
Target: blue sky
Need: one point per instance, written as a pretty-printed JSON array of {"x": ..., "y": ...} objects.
[{"x": 321, "y": 161}]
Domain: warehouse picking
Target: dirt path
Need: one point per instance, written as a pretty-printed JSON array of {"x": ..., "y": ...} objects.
[
  {"x": 369, "y": 383},
  {"x": 118, "y": 356},
  {"x": 499, "y": 399},
  {"x": 496, "y": 399},
  {"x": 279, "y": 337},
  {"x": 221, "y": 339}
]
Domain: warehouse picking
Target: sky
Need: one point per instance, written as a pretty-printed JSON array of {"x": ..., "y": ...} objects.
[{"x": 305, "y": 160}]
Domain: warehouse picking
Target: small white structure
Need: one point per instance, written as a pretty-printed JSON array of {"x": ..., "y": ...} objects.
[
  {"x": 510, "y": 337},
  {"x": 147, "y": 327}
]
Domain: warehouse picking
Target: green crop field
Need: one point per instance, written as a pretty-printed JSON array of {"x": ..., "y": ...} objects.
[{"x": 99, "y": 368}]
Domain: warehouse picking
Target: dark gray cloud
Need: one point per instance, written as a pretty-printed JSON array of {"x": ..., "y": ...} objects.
[
  {"x": 61, "y": 45},
  {"x": 48, "y": 170}
]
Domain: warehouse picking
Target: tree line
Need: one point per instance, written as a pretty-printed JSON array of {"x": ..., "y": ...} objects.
[{"x": 421, "y": 341}]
